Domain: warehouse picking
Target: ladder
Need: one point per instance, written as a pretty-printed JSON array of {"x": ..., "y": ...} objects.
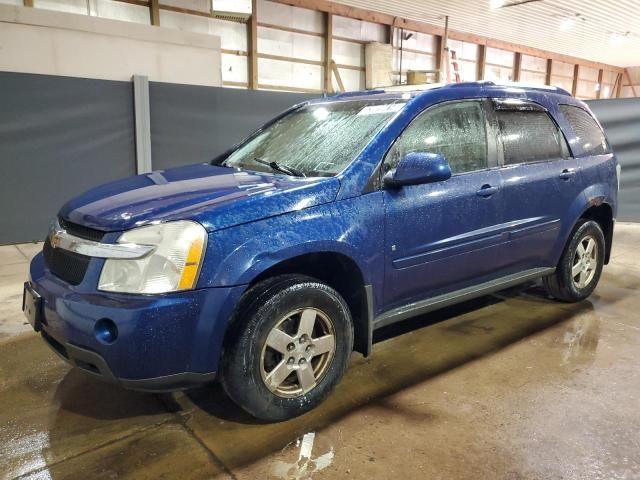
[{"x": 452, "y": 61}]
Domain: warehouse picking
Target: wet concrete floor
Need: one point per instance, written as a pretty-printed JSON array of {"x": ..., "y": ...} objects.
[{"x": 510, "y": 386}]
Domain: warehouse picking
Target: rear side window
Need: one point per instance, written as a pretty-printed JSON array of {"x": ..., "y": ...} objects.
[
  {"x": 456, "y": 130},
  {"x": 588, "y": 133},
  {"x": 528, "y": 136}
]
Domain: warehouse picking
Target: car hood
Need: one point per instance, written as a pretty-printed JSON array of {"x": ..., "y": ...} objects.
[{"x": 217, "y": 197}]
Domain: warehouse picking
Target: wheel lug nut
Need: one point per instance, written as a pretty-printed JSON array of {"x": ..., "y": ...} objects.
[
  {"x": 290, "y": 361},
  {"x": 308, "y": 349},
  {"x": 303, "y": 339},
  {"x": 291, "y": 346},
  {"x": 302, "y": 361}
]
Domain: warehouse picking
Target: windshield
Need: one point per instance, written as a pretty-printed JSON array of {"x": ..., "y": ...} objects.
[{"x": 317, "y": 140}]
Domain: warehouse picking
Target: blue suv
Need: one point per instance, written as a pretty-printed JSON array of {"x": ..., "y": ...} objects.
[{"x": 268, "y": 266}]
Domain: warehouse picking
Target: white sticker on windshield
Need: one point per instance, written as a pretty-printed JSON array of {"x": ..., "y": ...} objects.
[{"x": 378, "y": 109}]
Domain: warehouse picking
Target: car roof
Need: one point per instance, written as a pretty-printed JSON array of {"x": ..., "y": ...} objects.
[{"x": 412, "y": 91}]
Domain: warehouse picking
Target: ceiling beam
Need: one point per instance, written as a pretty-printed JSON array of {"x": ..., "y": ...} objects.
[{"x": 384, "y": 19}]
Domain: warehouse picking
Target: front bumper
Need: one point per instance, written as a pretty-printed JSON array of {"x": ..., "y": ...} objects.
[{"x": 164, "y": 342}]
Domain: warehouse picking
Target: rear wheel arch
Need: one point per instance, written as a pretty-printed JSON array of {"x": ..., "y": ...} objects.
[{"x": 602, "y": 213}]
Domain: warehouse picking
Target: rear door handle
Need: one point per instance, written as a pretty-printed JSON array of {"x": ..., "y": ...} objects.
[
  {"x": 486, "y": 191},
  {"x": 567, "y": 174}
]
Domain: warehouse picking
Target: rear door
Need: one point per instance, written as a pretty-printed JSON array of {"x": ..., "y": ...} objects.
[
  {"x": 442, "y": 236},
  {"x": 540, "y": 183}
]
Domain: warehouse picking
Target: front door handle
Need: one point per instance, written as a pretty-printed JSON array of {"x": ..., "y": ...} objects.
[
  {"x": 486, "y": 191},
  {"x": 567, "y": 174}
]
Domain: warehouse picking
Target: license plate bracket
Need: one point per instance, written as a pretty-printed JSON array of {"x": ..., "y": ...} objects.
[{"x": 32, "y": 306}]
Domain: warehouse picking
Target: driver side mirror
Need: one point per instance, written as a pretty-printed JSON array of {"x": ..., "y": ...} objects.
[{"x": 416, "y": 168}]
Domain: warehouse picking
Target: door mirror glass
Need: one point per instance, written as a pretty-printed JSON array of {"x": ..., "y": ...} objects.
[{"x": 416, "y": 168}]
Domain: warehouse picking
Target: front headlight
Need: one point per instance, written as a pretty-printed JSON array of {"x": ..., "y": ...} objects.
[{"x": 172, "y": 265}]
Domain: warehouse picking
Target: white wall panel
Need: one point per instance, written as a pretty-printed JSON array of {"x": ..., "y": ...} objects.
[
  {"x": 468, "y": 71},
  {"x": 503, "y": 58},
  {"x": 352, "y": 79},
  {"x": 464, "y": 50},
  {"x": 586, "y": 89},
  {"x": 348, "y": 53},
  {"x": 232, "y": 34},
  {"x": 359, "y": 30},
  {"x": 562, "y": 82},
  {"x": 288, "y": 44},
  {"x": 234, "y": 68},
  {"x": 533, "y": 64},
  {"x": 103, "y": 48},
  {"x": 418, "y": 41},
  {"x": 67, "y": 6},
  {"x": 535, "y": 78},
  {"x": 562, "y": 69},
  {"x": 121, "y": 11},
  {"x": 200, "y": 5},
  {"x": 498, "y": 74},
  {"x": 15, "y": 3},
  {"x": 289, "y": 74},
  {"x": 413, "y": 61},
  {"x": 287, "y": 16}
]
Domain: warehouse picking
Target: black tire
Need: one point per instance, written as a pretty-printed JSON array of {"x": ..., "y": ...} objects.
[
  {"x": 260, "y": 311},
  {"x": 561, "y": 285}
]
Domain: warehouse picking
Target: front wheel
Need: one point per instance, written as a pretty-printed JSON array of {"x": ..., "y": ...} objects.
[
  {"x": 288, "y": 347},
  {"x": 580, "y": 266}
]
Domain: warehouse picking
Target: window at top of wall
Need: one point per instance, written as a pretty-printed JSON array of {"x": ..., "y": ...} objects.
[{"x": 589, "y": 136}]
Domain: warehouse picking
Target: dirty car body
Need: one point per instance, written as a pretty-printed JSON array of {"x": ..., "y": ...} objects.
[{"x": 397, "y": 224}]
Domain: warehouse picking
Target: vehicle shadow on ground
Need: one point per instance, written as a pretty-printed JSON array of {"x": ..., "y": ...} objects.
[{"x": 404, "y": 355}]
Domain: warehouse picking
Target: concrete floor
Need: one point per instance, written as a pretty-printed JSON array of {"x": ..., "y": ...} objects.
[{"x": 510, "y": 386}]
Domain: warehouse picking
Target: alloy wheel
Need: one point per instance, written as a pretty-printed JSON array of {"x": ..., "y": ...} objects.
[
  {"x": 585, "y": 262},
  {"x": 298, "y": 352}
]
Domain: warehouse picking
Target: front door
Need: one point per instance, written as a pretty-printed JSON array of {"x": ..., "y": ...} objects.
[{"x": 445, "y": 235}]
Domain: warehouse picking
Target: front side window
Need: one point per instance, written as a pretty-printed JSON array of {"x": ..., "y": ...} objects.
[
  {"x": 588, "y": 134},
  {"x": 317, "y": 140},
  {"x": 455, "y": 130},
  {"x": 528, "y": 136}
]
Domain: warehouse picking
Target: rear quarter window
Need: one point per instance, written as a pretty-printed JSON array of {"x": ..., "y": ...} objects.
[
  {"x": 589, "y": 135},
  {"x": 528, "y": 136}
]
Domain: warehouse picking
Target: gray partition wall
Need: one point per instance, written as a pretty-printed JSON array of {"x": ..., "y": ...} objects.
[
  {"x": 60, "y": 136},
  {"x": 620, "y": 119},
  {"x": 191, "y": 124}
]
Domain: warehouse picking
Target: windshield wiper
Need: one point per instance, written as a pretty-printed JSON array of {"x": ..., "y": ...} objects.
[{"x": 280, "y": 168}]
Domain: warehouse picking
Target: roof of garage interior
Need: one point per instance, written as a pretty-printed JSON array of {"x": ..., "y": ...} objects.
[{"x": 602, "y": 31}]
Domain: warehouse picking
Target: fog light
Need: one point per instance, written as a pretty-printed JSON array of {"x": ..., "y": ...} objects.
[{"x": 106, "y": 331}]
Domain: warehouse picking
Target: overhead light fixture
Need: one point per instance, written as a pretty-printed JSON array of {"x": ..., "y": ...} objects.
[
  {"x": 567, "y": 23},
  {"x": 513, "y": 3},
  {"x": 618, "y": 38}
]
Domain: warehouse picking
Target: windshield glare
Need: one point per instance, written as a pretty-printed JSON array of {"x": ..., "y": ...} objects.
[{"x": 318, "y": 140}]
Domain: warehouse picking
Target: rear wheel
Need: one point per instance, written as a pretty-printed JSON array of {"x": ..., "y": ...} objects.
[
  {"x": 289, "y": 346},
  {"x": 580, "y": 266}
]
